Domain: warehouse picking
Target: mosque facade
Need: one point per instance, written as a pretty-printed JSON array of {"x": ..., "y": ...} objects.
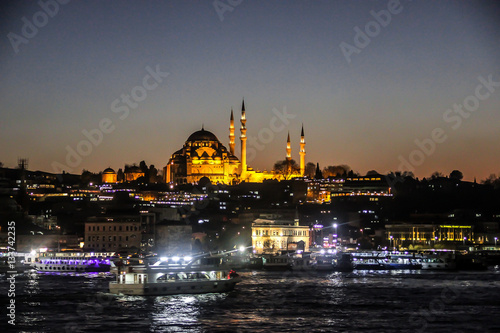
[{"x": 204, "y": 156}]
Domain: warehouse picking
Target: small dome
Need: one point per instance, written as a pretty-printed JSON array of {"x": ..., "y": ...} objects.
[
  {"x": 109, "y": 170},
  {"x": 202, "y": 135}
]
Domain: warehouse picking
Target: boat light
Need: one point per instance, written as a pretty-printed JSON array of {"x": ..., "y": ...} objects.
[
  {"x": 163, "y": 259},
  {"x": 188, "y": 258},
  {"x": 242, "y": 248},
  {"x": 175, "y": 259}
]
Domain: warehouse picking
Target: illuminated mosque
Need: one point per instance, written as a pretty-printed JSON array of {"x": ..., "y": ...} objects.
[{"x": 203, "y": 155}]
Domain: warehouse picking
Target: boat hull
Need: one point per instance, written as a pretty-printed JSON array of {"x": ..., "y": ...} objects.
[{"x": 174, "y": 288}]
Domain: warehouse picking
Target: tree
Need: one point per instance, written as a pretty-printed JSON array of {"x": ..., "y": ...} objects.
[
  {"x": 335, "y": 170},
  {"x": 144, "y": 168},
  {"x": 120, "y": 177},
  {"x": 492, "y": 180},
  {"x": 153, "y": 174},
  {"x": 455, "y": 174},
  {"x": 408, "y": 174},
  {"x": 372, "y": 173},
  {"x": 286, "y": 169},
  {"x": 309, "y": 170},
  {"x": 437, "y": 174}
]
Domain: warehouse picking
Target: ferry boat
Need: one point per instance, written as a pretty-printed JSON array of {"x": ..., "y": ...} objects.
[
  {"x": 401, "y": 261},
  {"x": 337, "y": 262},
  {"x": 73, "y": 262},
  {"x": 279, "y": 262},
  {"x": 303, "y": 262},
  {"x": 437, "y": 260},
  {"x": 382, "y": 260},
  {"x": 170, "y": 276},
  {"x": 14, "y": 262}
]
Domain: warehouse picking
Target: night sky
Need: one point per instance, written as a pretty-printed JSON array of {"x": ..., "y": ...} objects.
[{"x": 365, "y": 107}]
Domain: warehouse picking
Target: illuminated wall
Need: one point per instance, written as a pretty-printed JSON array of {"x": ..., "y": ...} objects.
[{"x": 271, "y": 236}]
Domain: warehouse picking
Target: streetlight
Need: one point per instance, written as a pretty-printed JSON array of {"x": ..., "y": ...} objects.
[
  {"x": 496, "y": 238},
  {"x": 391, "y": 241},
  {"x": 465, "y": 238}
]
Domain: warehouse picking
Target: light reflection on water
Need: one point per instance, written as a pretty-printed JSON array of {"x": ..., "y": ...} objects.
[{"x": 372, "y": 301}]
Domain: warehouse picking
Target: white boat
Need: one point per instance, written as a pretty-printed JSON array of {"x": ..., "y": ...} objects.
[
  {"x": 73, "y": 262},
  {"x": 14, "y": 262},
  {"x": 170, "y": 276}
]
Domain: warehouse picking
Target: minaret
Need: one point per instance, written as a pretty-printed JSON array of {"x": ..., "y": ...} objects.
[
  {"x": 288, "y": 149},
  {"x": 231, "y": 134},
  {"x": 302, "y": 152},
  {"x": 243, "y": 138},
  {"x": 288, "y": 154}
]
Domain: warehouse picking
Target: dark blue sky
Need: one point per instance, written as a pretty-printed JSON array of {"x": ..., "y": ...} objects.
[{"x": 366, "y": 112}]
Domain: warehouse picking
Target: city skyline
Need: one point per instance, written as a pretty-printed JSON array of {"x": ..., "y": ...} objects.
[{"x": 377, "y": 85}]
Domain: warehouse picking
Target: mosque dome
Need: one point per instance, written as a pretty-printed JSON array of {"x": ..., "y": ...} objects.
[
  {"x": 109, "y": 171},
  {"x": 202, "y": 135}
]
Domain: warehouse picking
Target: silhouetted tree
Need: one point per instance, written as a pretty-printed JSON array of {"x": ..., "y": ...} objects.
[
  {"x": 437, "y": 174},
  {"x": 286, "y": 169},
  {"x": 310, "y": 170},
  {"x": 372, "y": 173},
  {"x": 335, "y": 170},
  {"x": 408, "y": 174},
  {"x": 492, "y": 180},
  {"x": 455, "y": 174},
  {"x": 153, "y": 174},
  {"x": 120, "y": 176}
]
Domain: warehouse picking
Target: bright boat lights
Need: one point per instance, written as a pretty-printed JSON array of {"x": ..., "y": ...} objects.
[
  {"x": 175, "y": 259},
  {"x": 164, "y": 259},
  {"x": 242, "y": 248},
  {"x": 187, "y": 258}
]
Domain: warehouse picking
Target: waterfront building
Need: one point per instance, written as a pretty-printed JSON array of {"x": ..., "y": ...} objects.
[
  {"x": 404, "y": 234},
  {"x": 119, "y": 232},
  {"x": 270, "y": 234}
]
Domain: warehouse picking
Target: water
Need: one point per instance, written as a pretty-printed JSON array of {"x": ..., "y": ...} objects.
[{"x": 375, "y": 301}]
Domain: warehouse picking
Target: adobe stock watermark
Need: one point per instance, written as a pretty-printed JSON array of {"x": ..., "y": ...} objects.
[
  {"x": 453, "y": 116},
  {"x": 222, "y": 6},
  {"x": 121, "y": 106},
  {"x": 48, "y": 9},
  {"x": 372, "y": 29},
  {"x": 266, "y": 135}
]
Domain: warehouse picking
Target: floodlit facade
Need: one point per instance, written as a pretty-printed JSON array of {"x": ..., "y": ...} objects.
[
  {"x": 204, "y": 156},
  {"x": 274, "y": 235}
]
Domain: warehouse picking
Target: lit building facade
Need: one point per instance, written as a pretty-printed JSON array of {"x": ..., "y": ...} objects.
[
  {"x": 132, "y": 173},
  {"x": 115, "y": 233},
  {"x": 203, "y": 155},
  {"x": 109, "y": 176},
  {"x": 274, "y": 235},
  {"x": 428, "y": 234}
]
